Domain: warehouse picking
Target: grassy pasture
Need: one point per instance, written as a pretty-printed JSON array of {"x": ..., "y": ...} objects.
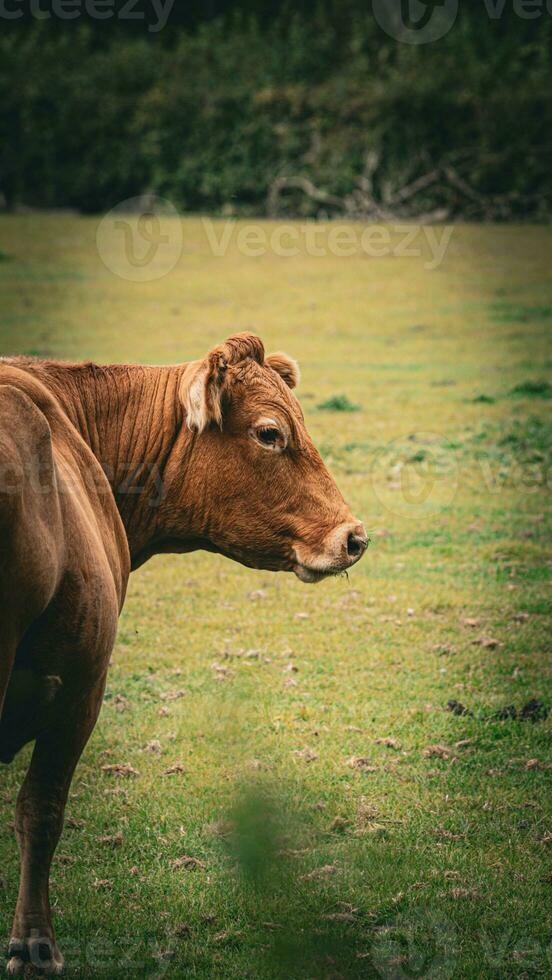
[{"x": 342, "y": 821}]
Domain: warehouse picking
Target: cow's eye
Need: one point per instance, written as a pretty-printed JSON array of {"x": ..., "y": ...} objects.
[{"x": 270, "y": 436}]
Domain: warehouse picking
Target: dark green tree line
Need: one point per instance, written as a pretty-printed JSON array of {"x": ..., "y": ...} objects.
[{"x": 216, "y": 114}]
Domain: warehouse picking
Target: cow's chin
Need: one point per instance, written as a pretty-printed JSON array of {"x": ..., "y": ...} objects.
[{"x": 311, "y": 575}]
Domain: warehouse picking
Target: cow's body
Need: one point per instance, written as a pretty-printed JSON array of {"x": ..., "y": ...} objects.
[{"x": 98, "y": 470}]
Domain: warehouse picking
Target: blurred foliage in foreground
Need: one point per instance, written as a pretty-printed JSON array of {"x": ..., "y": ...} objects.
[{"x": 210, "y": 114}]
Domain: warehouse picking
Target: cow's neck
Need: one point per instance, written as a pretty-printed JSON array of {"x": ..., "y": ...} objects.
[{"x": 130, "y": 416}]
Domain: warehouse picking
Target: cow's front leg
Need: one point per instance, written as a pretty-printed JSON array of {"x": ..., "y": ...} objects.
[{"x": 39, "y": 822}]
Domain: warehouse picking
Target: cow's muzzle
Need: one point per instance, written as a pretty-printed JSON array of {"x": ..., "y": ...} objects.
[{"x": 343, "y": 547}]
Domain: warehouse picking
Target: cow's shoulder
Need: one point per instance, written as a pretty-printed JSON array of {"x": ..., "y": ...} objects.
[
  {"x": 31, "y": 526},
  {"x": 32, "y": 424},
  {"x": 25, "y": 442},
  {"x": 15, "y": 374}
]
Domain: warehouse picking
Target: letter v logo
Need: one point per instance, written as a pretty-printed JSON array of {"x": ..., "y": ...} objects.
[{"x": 415, "y": 21}]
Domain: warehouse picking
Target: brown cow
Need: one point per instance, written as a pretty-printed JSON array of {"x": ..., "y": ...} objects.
[{"x": 100, "y": 468}]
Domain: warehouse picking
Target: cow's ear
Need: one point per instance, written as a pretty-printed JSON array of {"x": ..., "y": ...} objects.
[
  {"x": 201, "y": 391},
  {"x": 286, "y": 367},
  {"x": 202, "y": 383}
]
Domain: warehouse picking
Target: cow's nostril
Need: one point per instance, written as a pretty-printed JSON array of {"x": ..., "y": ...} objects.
[{"x": 355, "y": 545}]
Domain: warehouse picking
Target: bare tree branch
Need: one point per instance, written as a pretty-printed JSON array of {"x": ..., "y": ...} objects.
[
  {"x": 447, "y": 191},
  {"x": 303, "y": 184}
]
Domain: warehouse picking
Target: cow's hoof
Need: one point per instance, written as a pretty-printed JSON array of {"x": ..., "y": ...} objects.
[{"x": 36, "y": 956}]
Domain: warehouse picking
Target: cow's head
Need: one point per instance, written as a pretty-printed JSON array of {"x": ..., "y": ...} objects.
[{"x": 263, "y": 494}]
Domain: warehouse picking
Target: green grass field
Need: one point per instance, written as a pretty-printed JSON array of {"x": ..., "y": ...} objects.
[{"x": 341, "y": 821}]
